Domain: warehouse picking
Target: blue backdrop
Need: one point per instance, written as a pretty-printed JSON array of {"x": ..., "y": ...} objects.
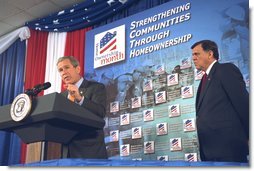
[{"x": 157, "y": 45}]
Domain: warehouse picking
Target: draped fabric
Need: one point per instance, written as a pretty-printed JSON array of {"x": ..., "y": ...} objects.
[
  {"x": 80, "y": 15},
  {"x": 35, "y": 67},
  {"x": 7, "y": 40},
  {"x": 12, "y": 63},
  {"x": 55, "y": 49},
  {"x": 36, "y": 59}
]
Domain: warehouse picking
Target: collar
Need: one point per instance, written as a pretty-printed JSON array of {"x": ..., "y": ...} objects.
[
  {"x": 210, "y": 67},
  {"x": 79, "y": 82}
]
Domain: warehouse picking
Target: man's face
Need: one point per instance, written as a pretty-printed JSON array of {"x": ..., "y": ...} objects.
[
  {"x": 68, "y": 73},
  {"x": 201, "y": 58}
]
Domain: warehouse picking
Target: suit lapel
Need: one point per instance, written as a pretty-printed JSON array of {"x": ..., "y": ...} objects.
[
  {"x": 201, "y": 95},
  {"x": 83, "y": 87},
  {"x": 198, "y": 95},
  {"x": 84, "y": 84}
]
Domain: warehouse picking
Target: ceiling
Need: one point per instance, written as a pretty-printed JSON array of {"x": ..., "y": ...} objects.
[{"x": 14, "y": 13}]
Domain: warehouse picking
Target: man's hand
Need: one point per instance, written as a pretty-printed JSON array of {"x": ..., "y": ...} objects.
[{"x": 74, "y": 91}]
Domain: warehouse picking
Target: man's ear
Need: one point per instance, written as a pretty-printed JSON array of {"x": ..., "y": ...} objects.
[
  {"x": 78, "y": 69},
  {"x": 210, "y": 53}
]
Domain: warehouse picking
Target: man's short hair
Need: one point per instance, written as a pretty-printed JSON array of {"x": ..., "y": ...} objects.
[
  {"x": 73, "y": 60},
  {"x": 208, "y": 45}
]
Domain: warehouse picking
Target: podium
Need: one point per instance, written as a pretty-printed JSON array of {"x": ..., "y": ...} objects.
[{"x": 53, "y": 118}]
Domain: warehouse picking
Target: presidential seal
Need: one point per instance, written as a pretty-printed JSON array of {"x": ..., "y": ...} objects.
[{"x": 20, "y": 107}]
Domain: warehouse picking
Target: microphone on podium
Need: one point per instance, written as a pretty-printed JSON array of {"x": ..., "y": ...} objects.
[{"x": 37, "y": 89}]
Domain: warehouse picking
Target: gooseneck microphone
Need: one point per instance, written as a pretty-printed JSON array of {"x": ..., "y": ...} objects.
[{"x": 37, "y": 89}]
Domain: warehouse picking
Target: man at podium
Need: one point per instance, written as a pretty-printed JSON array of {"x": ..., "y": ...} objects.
[{"x": 90, "y": 95}]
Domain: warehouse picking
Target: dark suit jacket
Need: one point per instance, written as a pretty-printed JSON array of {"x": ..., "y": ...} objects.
[
  {"x": 90, "y": 144},
  {"x": 223, "y": 115}
]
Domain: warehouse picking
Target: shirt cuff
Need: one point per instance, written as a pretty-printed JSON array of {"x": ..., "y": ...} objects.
[{"x": 81, "y": 101}]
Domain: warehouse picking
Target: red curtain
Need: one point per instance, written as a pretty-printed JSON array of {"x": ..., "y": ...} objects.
[
  {"x": 35, "y": 66},
  {"x": 75, "y": 45}
]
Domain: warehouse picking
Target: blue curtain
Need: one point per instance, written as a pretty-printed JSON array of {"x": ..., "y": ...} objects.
[{"x": 12, "y": 63}]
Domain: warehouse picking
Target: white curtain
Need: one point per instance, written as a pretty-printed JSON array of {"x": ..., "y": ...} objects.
[
  {"x": 55, "y": 50},
  {"x": 6, "y": 40}
]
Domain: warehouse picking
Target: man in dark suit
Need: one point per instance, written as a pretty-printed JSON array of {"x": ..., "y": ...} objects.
[
  {"x": 222, "y": 107},
  {"x": 90, "y": 95}
]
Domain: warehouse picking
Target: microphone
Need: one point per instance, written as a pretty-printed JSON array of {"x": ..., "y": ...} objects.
[
  {"x": 43, "y": 86},
  {"x": 37, "y": 89}
]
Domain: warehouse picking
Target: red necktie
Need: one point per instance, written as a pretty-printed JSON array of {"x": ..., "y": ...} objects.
[{"x": 204, "y": 79}]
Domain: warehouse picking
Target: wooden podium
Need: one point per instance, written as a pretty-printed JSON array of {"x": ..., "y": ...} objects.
[{"x": 54, "y": 121}]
